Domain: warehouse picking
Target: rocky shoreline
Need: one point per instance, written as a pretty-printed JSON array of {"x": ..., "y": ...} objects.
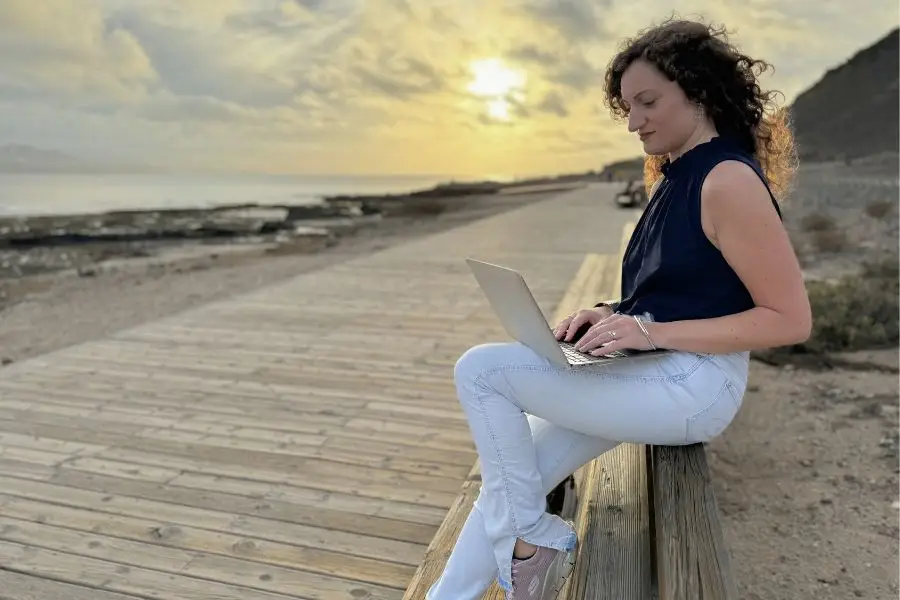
[
  {"x": 41, "y": 244},
  {"x": 32, "y": 245}
]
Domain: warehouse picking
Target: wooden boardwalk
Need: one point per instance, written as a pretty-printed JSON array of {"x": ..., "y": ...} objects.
[{"x": 301, "y": 441}]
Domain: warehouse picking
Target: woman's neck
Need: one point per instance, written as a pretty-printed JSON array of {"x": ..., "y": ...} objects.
[{"x": 701, "y": 135}]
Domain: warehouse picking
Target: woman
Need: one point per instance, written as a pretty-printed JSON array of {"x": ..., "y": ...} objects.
[{"x": 709, "y": 274}]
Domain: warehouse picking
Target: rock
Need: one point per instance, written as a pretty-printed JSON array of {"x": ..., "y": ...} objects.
[
  {"x": 6, "y": 361},
  {"x": 155, "y": 225}
]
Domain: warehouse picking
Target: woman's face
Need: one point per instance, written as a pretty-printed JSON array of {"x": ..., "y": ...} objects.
[{"x": 658, "y": 110}]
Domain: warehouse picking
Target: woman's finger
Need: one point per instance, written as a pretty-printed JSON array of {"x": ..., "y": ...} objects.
[
  {"x": 596, "y": 339},
  {"x": 597, "y": 335},
  {"x": 588, "y": 341},
  {"x": 610, "y": 347},
  {"x": 576, "y": 323},
  {"x": 562, "y": 327}
]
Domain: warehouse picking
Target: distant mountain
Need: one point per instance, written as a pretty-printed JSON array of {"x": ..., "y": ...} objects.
[
  {"x": 852, "y": 111},
  {"x": 27, "y": 159},
  {"x": 21, "y": 158},
  {"x": 629, "y": 168}
]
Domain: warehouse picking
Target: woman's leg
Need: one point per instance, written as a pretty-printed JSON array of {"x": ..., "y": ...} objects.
[
  {"x": 471, "y": 567},
  {"x": 670, "y": 399}
]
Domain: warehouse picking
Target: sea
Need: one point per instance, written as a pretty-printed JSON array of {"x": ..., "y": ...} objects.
[{"x": 26, "y": 194}]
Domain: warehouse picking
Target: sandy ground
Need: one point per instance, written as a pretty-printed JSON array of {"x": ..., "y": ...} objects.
[
  {"x": 41, "y": 314},
  {"x": 806, "y": 477}
]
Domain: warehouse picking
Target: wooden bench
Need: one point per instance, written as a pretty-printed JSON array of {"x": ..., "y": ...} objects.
[{"x": 646, "y": 516}]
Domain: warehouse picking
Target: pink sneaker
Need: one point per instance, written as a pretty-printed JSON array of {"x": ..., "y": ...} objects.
[{"x": 541, "y": 576}]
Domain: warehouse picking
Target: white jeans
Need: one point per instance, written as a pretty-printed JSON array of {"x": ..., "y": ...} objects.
[{"x": 534, "y": 424}]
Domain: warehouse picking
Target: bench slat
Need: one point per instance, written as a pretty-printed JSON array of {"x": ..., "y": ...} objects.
[
  {"x": 613, "y": 523},
  {"x": 693, "y": 560}
]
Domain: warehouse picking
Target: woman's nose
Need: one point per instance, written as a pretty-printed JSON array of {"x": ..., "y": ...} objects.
[{"x": 634, "y": 121}]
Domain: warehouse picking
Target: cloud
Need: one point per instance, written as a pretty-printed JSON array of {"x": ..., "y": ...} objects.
[
  {"x": 193, "y": 109},
  {"x": 576, "y": 20},
  {"x": 553, "y": 103},
  {"x": 189, "y": 65},
  {"x": 400, "y": 78},
  {"x": 531, "y": 53},
  {"x": 362, "y": 84},
  {"x": 285, "y": 20},
  {"x": 70, "y": 52}
]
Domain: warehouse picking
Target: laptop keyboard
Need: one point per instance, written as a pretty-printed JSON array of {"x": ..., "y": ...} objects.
[{"x": 580, "y": 358}]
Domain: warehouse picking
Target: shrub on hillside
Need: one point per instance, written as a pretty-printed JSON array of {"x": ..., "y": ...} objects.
[
  {"x": 879, "y": 209},
  {"x": 818, "y": 222},
  {"x": 857, "y": 311},
  {"x": 823, "y": 233}
]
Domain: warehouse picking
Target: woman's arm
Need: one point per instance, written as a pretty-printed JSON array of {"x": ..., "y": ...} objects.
[{"x": 739, "y": 219}]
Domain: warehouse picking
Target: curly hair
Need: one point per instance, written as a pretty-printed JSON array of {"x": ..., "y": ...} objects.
[{"x": 716, "y": 75}]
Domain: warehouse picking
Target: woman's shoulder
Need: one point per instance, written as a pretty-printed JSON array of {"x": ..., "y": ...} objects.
[
  {"x": 732, "y": 183},
  {"x": 730, "y": 172}
]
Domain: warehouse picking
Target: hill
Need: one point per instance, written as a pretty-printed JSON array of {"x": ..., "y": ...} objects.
[
  {"x": 22, "y": 158},
  {"x": 852, "y": 110},
  {"x": 19, "y": 158},
  {"x": 629, "y": 168}
]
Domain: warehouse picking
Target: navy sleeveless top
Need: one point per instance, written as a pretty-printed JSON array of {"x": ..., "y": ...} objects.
[{"x": 671, "y": 271}]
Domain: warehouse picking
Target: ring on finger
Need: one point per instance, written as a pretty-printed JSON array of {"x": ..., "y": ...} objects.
[{"x": 612, "y": 334}]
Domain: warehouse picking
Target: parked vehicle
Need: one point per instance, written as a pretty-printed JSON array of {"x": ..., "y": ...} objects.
[{"x": 633, "y": 196}]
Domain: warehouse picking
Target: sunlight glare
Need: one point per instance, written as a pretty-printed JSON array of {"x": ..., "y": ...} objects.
[
  {"x": 493, "y": 78},
  {"x": 498, "y": 108}
]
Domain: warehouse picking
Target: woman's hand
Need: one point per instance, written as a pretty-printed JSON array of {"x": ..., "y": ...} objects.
[
  {"x": 571, "y": 324},
  {"x": 618, "y": 332}
]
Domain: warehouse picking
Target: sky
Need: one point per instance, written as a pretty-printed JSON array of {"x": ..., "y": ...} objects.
[{"x": 468, "y": 88}]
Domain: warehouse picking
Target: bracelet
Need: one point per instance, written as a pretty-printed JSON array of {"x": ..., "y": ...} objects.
[{"x": 645, "y": 332}]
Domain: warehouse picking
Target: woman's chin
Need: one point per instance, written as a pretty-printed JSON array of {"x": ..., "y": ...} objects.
[
  {"x": 653, "y": 149},
  {"x": 650, "y": 146}
]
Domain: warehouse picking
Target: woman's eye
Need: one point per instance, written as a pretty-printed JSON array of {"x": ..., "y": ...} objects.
[{"x": 650, "y": 103}]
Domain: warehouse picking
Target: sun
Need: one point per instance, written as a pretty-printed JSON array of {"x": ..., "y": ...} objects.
[
  {"x": 497, "y": 83},
  {"x": 491, "y": 77},
  {"x": 498, "y": 108}
]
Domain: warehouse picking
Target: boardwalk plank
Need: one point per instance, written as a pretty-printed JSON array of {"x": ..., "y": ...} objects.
[
  {"x": 16, "y": 586},
  {"x": 299, "y": 441}
]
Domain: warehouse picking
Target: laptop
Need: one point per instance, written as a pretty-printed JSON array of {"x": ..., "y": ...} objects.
[{"x": 522, "y": 318}]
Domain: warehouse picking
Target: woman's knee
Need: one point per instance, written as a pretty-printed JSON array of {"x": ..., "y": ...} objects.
[
  {"x": 480, "y": 360},
  {"x": 474, "y": 362}
]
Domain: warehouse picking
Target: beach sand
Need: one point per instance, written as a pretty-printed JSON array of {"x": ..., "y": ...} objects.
[{"x": 42, "y": 313}]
